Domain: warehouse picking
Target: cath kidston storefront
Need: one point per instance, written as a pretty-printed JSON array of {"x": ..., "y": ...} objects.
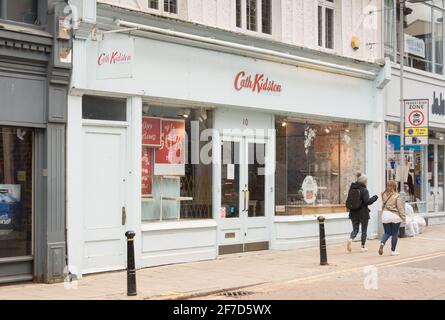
[{"x": 203, "y": 151}]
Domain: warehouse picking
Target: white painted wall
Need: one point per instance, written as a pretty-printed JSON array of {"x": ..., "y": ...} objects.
[
  {"x": 177, "y": 242},
  {"x": 294, "y": 22},
  {"x": 208, "y": 77}
]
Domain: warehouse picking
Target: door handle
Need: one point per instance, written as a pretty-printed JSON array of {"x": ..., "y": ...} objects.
[
  {"x": 248, "y": 200},
  {"x": 124, "y": 216},
  {"x": 244, "y": 192}
]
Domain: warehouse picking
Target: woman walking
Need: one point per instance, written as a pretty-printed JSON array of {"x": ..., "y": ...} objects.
[
  {"x": 358, "y": 202},
  {"x": 392, "y": 217}
]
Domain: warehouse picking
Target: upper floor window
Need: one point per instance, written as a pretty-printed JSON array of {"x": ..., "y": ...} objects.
[
  {"x": 170, "y": 6},
  {"x": 423, "y": 24},
  {"x": 24, "y": 11},
  {"x": 326, "y": 15},
  {"x": 254, "y": 15}
]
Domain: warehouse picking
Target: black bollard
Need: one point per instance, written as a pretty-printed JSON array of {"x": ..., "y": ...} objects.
[
  {"x": 131, "y": 268},
  {"x": 323, "y": 251}
]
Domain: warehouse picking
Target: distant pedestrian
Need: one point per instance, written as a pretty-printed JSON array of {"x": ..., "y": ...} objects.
[
  {"x": 357, "y": 203},
  {"x": 393, "y": 214}
]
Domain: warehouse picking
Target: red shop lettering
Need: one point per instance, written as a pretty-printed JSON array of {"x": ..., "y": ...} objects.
[
  {"x": 115, "y": 58},
  {"x": 258, "y": 84}
]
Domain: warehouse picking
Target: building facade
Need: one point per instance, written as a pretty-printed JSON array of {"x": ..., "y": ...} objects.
[
  {"x": 213, "y": 127},
  {"x": 34, "y": 77},
  {"x": 423, "y": 79}
]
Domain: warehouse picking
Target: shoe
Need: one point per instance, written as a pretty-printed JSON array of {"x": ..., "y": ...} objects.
[
  {"x": 381, "y": 249},
  {"x": 364, "y": 249},
  {"x": 395, "y": 253},
  {"x": 349, "y": 245}
]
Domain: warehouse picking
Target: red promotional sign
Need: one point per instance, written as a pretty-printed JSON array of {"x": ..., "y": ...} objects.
[
  {"x": 170, "y": 157},
  {"x": 151, "y": 132},
  {"x": 147, "y": 171}
]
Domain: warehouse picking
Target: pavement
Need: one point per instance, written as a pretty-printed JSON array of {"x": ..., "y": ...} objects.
[{"x": 419, "y": 271}]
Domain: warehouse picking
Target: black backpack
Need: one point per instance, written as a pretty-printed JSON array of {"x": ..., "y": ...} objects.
[{"x": 354, "y": 200}]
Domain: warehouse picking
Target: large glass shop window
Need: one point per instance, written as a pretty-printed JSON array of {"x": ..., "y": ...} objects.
[
  {"x": 414, "y": 168},
  {"x": 176, "y": 164},
  {"x": 316, "y": 164},
  {"x": 16, "y": 192}
]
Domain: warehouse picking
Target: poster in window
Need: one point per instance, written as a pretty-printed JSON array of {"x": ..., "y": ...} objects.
[
  {"x": 9, "y": 205},
  {"x": 147, "y": 171},
  {"x": 170, "y": 156},
  {"x": 151, "y": 132}
]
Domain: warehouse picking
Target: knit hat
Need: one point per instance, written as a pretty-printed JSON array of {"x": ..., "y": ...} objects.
[{"x": 361, "y": 178}]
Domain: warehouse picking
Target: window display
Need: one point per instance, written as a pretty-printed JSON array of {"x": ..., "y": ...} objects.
[
  {"x": 316, "y": 164},
  {"x": 176, "y": 183},
  {"x": 16, "y": 181},
  {"x": 413, "y": 167}
]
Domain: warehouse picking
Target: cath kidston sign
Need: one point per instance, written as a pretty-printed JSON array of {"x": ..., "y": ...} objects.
[{"x": 115, "y": 59}]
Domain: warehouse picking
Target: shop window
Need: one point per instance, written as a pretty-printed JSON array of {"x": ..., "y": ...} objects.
[
  {"x": 254, "y": 15},
  {"x": 100, "y": 108},
  {"x": 414, "y": 170},
  {"x": 16, "y": 192},
  {"x": 24, "y": 11},
  {"x": 316, "y": 164},
  {"x": 170, "y": 6},
  {"x": 326, "y": 11},
  {"x": 177, "y": 172},
  {"x": 423, "y": 32}
]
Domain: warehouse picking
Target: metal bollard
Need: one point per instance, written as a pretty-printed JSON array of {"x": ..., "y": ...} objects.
[
  {"x": 131, "y": 268},
  {"x": 323, "y": 251}
]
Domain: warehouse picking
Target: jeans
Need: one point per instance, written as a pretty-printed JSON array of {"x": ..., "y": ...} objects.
[
  {"x": 356, "y": 222},
  {"x": 391, "y": 230}
]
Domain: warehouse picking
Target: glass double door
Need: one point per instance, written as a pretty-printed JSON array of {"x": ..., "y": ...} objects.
[{"x": 245, "y": 180}]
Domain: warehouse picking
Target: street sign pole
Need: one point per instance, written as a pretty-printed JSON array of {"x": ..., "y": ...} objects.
[{"x": 402, "y": 104}]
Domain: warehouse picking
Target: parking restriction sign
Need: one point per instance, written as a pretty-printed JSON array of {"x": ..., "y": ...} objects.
[{"x": 416, "y": 122}]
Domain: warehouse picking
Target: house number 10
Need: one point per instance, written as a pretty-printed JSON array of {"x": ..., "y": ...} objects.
[{"x": 245, "y": 122}]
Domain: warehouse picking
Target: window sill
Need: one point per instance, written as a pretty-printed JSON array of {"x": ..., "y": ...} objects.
[
  {"x": 34, "y": 30},
  {"x": 303, "y": 218},
  {"x": 311, "y": 210},
  {"x": 178, "y": 224}
]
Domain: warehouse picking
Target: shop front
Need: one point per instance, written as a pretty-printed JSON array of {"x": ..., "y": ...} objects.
[
  {"x": 203, "y": 151},
  {"x": 33, "y": 90},
  {"x": 423, "y": 179}
]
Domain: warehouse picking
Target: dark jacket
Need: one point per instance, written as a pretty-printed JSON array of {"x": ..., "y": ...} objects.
[{"x": 363, "y": 212}]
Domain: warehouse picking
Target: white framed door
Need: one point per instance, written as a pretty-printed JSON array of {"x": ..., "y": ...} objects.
[
  {"x": 104, "y": 206},
  {"x": 243, "y": 220}
]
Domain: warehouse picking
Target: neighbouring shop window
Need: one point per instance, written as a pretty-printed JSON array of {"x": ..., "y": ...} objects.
[
  {"x": 16, "y": 191},
  {"x": 326, "y": 12},
  {"x": 423, "y": 32},
  {"x": 25, "y": 11},
  {"x": 435, "y": 188},
  {"x": 101, "y": 108},
  {"x": 255, "y": 14},
  {"x": 316, "y": 164},
  {"x": 414, "y": 170},
  {"x": 176, "y": 164}
]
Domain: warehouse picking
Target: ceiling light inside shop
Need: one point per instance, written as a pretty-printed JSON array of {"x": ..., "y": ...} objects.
[
  {"x": 186, "y": 114},
  {"x": 327, "y": 130},
  {"x": 284, "y": 124}
]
